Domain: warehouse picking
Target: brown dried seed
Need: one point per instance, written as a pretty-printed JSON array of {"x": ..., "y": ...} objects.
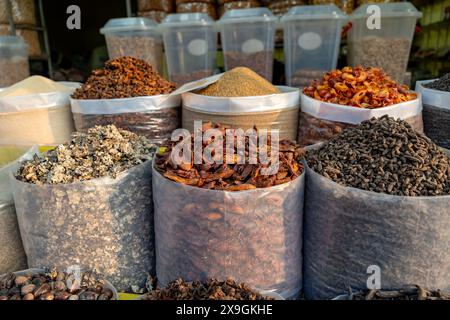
[
  {"x": 26, "y": 289},
  {"x": 21, "y": 280}
]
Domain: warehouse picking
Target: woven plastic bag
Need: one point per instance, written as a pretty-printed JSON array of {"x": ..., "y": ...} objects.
[
  {"x": 154, "y": 117},
  {"x": 104, "y": 224},
  {"x": 347, "y": 231},
  {"x": 320, "y": 121},
  {"x": 252, "y": 236}
]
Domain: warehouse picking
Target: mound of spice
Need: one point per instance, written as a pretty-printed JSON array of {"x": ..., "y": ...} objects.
[
  {"x": 102, "y": 151},
  {"x": 441, "y": 84},
  {"x": 209, "y": 290},
  {"x": 411, "y": 293},
  {"x": 233, "y": 176},
  {"x": 124, "y": 77},
  {"x": 53, "y": 285},
  {"x": 385, "y": 156},
  {"x": 240, "y": 82},
  {"x": 359, "y": 87}
]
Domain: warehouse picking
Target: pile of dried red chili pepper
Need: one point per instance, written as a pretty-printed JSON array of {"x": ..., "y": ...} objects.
[
  {"x": 359, "y": 87},
  {"x": 231, "y": 176}
]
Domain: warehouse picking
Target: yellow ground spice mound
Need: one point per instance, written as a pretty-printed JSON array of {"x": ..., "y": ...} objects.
[{"x": 239, "y": 82}]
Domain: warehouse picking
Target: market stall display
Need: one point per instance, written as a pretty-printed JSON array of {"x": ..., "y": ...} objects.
[
  {"x": 242, "y": 99},
  {"x": 190, "y": 42},
  {"x": 52, "y": 284},
  {"x": 135, "y": 37},
  {"x": 13, "y": 60},
  {"x": 376, "y": 195},
  {"x": 89, "y": 203},
  {"x": 35, "y": 111},
  {"x": 312, "y": 35},
  {"x": 130, "y": 94},
  {"x": 346, "y": 97},
  {"x": 436, "y": 109},
  {"x": 386, "y": 45},
  {"x": 23, "y": 12},
  {"x": 211, "y": 289},
  {"x": 248, "y": 39},
  {"x": 237, "y": 220}
]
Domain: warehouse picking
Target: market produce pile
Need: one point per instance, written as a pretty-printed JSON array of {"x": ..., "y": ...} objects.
[
  {"x": 359, "y": 87},
  {"x": 102, "y": 151},
  {"x": 124, "y": 77},
  {"x": 386, "y": 156},
  {"x": 441, "y": 84},
  {"x": 233, "y": 176},
  {"x": 239, "y": 82},
  {"x": 209, "y": 290},
  {"x": 53, "y": 285},
  {"x": 412, "y": 293}
]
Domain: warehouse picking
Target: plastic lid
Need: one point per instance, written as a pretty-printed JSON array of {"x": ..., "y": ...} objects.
[
  {"x": 314, "y": 13},
  {"x": 187, "y": 19},
  {"x": 128, "y": 24},
  {"x": 248, "y": 15},
  {"x": 388, "y": 10},
  {"x": 12, "y": 41}
]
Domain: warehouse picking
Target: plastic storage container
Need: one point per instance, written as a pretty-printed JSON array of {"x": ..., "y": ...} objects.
[
  {"x": 248, "y": 39},
  {"x": 312, "y": 35},
  {"x": 190, "y": 42},
  {"x": 13, "y": 60},
  {"x": 136, "y": 37},
  {"x": 383, "y": 42}
]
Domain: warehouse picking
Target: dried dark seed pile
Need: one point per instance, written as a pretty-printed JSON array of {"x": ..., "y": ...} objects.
[
  {"x": 442, "y": 84},
  {"x": 210, "y": 290},
  {"x": 123, "y": 77},
  {"x": 102, "y": 151},
  {"x": 53, "y": 285},
  {"x": 386, "y": 156},
  {"x": 412, "y": 293},
  {"x": 233, "y": 177}
]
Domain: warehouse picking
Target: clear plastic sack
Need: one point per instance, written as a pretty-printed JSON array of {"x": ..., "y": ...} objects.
[
  {"x": 154, "y": 117},
  {"x": 253, "y": 236},
  {"x": 200, "y": 7},
  {"x": 156, "y": 5},
  {"x": 105, "y": 225},
  {"x": 347, "y": 231},
  {"x": 158, "y": 16},
  {"x": 320, "y": 121},
  {"x": 23, "y": 11}
]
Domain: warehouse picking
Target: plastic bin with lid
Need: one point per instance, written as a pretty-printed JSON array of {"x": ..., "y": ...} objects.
[
  {"x": 248, "y": 39},
  {"x": 13, "y": 60},
  {"x": 136, "y": 37},
  {"x": 381, "y": 36},
  {"x": 190, "y": 41},
  {"x": 312, "y": 36}
]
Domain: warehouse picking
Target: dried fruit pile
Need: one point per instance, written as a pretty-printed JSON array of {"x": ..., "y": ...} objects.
[
  {"x": 208, "y": 290},
  {"x": 124, "y": 77},
  {"x": 53, "y": 285},
  {"x": 413, "y": 293},
  {"x": 442, "y": 84},
  {"x": 232, "y": 176},
  {"x": 102, "y": 151},
  {"x": 386, "y": 156},
  {"x": 359, "y": 87}
]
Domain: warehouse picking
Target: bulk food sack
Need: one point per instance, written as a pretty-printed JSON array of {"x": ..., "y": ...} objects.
[
  {"x": 35, "y": 111},
  {"x": 12, "y": 255},
  {"x": 154, "y": 117},
  {"x": 89, "y": 203},
  {"x": 252, "y": 236},
  {"x": 436, "y": 113}
]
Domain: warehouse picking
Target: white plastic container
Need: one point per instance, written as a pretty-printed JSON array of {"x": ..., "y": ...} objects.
[
  {"x": 136, "y": 37},
  {"x": 312, "y": 35},
  {"x": 13, "y": 60},
  {"x": 190, "y": 42},
  {"x": 248, "y": 39},
  {"x": 381, "y": 36}
]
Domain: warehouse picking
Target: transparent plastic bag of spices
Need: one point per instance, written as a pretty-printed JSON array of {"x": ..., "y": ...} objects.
[
  {"x": 102, "y": 224},
  {"x": 320, "y": 121},
  {"x": 347, "y": 231},
  {"x": 23, "y": 12},
  {"x": 154, "y": 117},
  {"x": 156, "y": 5},
  {"x": 252, "y": 236}
]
